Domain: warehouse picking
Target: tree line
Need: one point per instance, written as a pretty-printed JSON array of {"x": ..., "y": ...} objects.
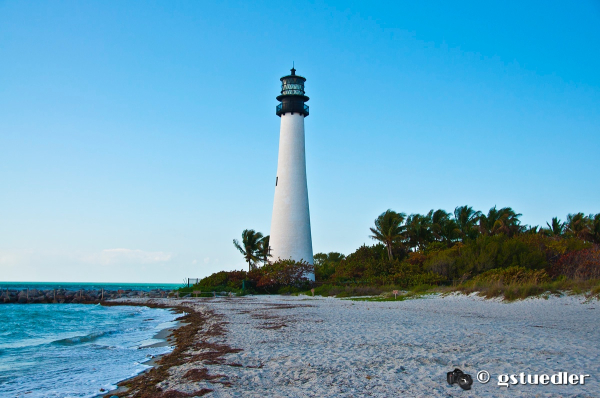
[
  {"x": 435, "y": 248},
  {"x": 418, "y": 231},
  {"x": 442, "y": 247}
]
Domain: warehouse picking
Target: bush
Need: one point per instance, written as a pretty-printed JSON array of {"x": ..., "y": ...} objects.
[
  {"x": 270, "y": 278},
  {"x": 282, "y": 273},
  {"x": 583, "y": 264},
  {"x": 231, "y": 280},
  {"x": 513, "y": 283},
  {"x": 531, "y": 251},
  {"x": 325, "y": 265},
  {"x": 443, "y": 262},
  {"x": 499, "y": 251},
  {"x": 353, "y": 290},
  {"x": 512, "y": 275}
]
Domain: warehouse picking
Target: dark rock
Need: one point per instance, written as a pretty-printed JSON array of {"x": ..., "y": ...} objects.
[{"x": 71, "y": 296}]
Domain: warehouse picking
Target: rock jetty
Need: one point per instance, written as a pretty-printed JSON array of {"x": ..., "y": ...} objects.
[{"x": 63, "y": 296}]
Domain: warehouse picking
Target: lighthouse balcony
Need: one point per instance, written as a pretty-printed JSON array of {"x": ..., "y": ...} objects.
[{"x": 286, "y": 107}]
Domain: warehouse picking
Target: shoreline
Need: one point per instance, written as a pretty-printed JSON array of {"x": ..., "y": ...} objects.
[
  {"x": 277, "y": 345},
  {"x": 166, "y": 337},
  {"x": 195, "y": 332}
]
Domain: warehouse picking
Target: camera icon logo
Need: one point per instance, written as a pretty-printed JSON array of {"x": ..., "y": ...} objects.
[{"x": 464, "y": 380}]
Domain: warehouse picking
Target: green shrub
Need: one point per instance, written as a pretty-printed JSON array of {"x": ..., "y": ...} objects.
[
  {"x": 422, "y": 288},
  {"x": 325, "y": 265},
  {"x": 512, "y": 275},
  {"x": 273, "y": 276}
]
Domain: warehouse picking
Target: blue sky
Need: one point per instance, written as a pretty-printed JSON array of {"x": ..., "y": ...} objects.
[{"x": 137, "y": 139}]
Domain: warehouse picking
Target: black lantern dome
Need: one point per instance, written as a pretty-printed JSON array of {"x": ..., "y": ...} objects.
[{"x": 292, "y": 95}]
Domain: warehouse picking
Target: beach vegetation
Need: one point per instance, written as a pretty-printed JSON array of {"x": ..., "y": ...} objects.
[
  {"x": 263, "y": 249},
  {"x": 388, "y": 230},
  {"x": 254, "y": 247},
  {"x": 283, "y": 276},
  {"x": 468, "y": 250},
  {"x": 465, "y": 250}
]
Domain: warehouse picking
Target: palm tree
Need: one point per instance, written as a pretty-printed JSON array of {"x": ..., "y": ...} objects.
[
  {"x": 449, "y": 232},
  {"x": 438, "y": 219},
  {"x": 578, "y": 225},
  {"x": 443, "y": 228},
  {"x": 486, "y": 223},
  {"x": 595, "y": 227},
  {"x": 507, "y": 223},
  {"x": 497, "y": 221},
  {"x": 528, "y": 229},
  {"x": 388, "y": 229},
  {"x": 466, "y": 218},
  {"x": 557, "y": 228},
  {"x": 264, "y": 249},
  {"x": 417, "y": 230},
  {"x": 249, "y": 247}
]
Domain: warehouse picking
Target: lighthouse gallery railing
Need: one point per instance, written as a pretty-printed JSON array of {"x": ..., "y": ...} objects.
[{"x": 286, "y": 107}]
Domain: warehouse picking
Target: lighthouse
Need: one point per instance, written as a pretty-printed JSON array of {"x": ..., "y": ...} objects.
[{"x": 290, "y": 225}]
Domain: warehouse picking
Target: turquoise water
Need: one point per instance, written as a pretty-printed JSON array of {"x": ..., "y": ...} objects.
[
  {"x": 88, "y": 285},
  {"x": 74, "y": 350}
]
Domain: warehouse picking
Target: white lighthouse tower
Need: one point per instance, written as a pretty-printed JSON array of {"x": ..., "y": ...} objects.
[{"x": 290, "y": 225}]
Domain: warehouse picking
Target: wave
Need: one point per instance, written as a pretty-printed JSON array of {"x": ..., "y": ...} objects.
[
  {"x": 82, "y": 339},
  {"x": 55, "y": 352}
]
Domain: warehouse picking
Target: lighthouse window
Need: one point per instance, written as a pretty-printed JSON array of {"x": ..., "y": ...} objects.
[
  {"x": 276, "y": 179},
  {"x": 293, "y": 89},
  {"x": 292, "y": 86}
]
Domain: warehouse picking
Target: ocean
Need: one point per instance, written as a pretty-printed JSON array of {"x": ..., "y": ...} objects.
[{"x": 75, "y": 350}]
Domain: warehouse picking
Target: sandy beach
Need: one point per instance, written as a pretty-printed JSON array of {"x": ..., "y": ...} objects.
[{"x": 286, "y": 346}]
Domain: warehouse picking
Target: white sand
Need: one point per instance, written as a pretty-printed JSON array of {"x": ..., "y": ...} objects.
[{"x": 340, "y": 348}]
